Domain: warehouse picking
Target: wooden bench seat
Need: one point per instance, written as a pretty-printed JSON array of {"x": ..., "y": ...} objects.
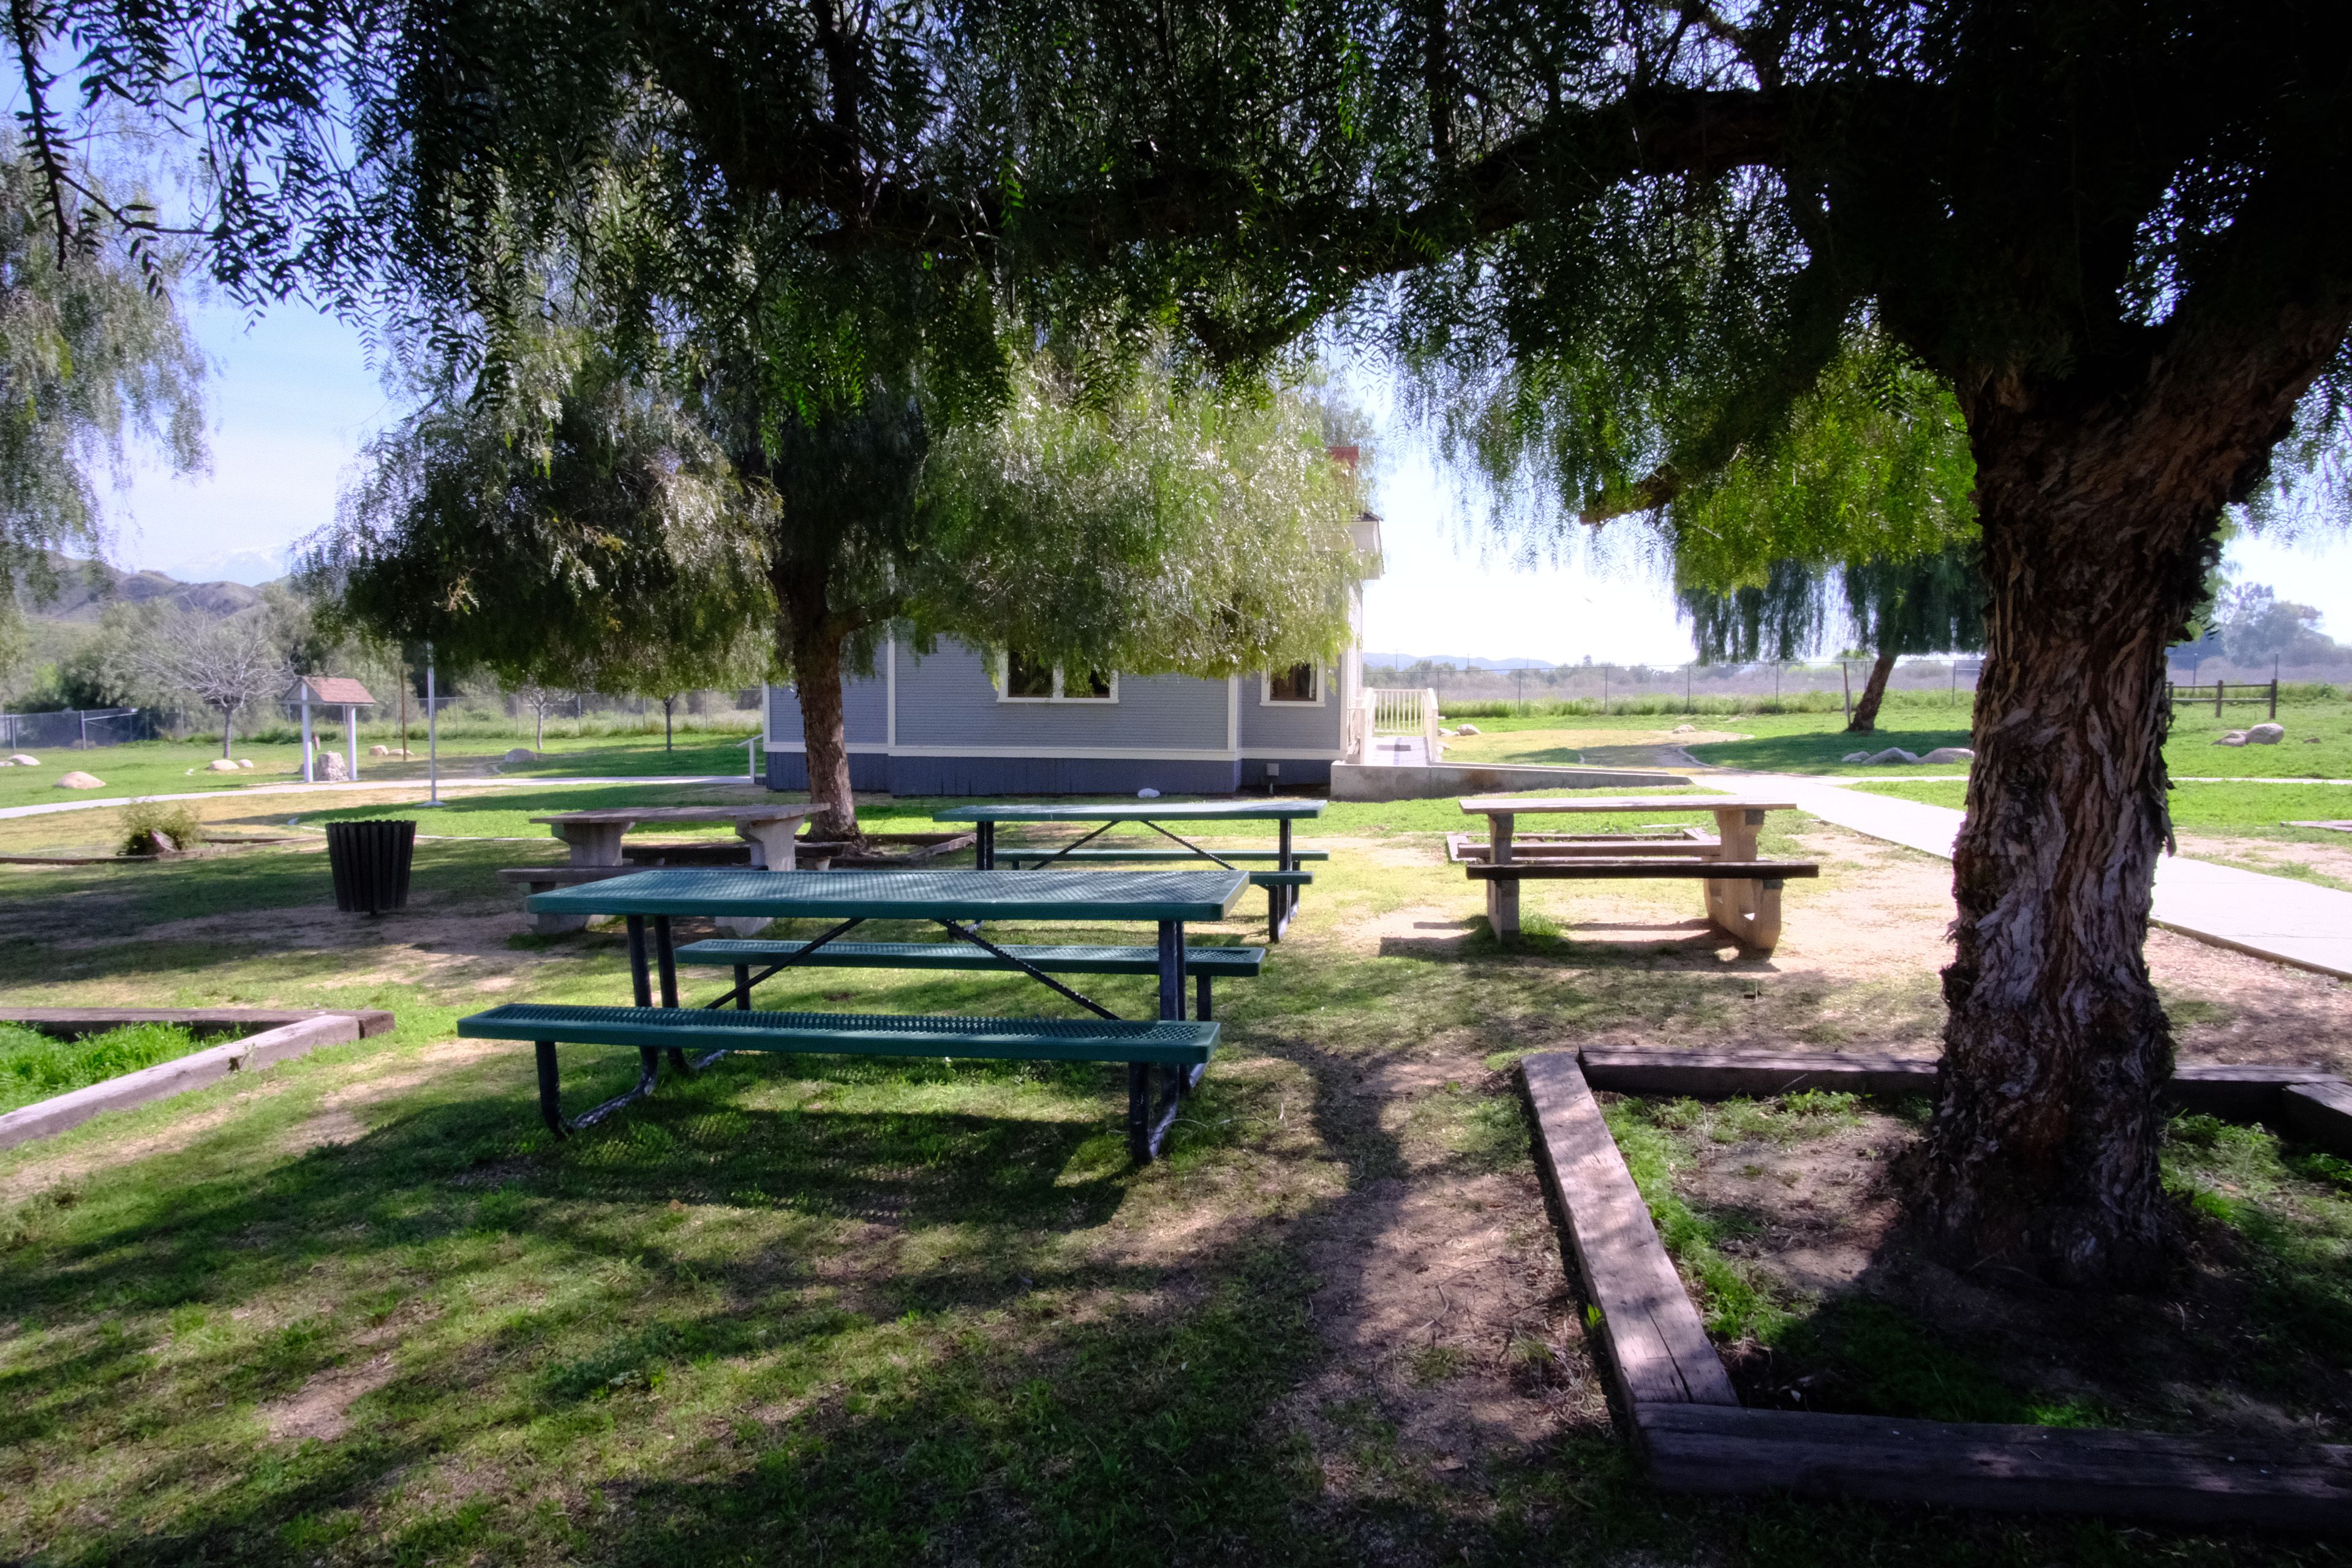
[
  {"x": 1181, "y": 1047},
  {"x": 1203, "y": 964},
  {"x": 1743, "y": 897},
  {"x": 1017, "y": 858},
  {"x": 1637, "y": 866}
]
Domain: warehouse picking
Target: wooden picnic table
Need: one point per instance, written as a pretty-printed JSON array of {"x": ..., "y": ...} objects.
[
  {"x": 1745, "y": 901},
  {"x": 957, "y": 901},
  {"x": 1281, "y": 885}
]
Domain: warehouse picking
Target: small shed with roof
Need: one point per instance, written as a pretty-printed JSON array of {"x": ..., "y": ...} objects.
[{"x": 330, "y": 691}]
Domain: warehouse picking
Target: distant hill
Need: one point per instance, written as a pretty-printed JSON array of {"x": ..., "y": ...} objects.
[
  {"x": 250, "y": 567},
  {"x": 85, "y": 589}
]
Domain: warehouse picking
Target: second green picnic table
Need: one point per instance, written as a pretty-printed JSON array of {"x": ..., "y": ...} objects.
[{"x": 1281, "y": 884}]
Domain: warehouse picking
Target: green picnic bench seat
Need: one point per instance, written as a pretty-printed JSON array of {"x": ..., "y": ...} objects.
[
  {"x": 1203, "y": 964},
  {"x": 1183, "y": 1046}
]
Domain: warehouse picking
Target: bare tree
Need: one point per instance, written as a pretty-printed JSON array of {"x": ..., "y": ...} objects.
[
  {"x": 227, "y": 664},
  {"x": 541, "y": 700}
]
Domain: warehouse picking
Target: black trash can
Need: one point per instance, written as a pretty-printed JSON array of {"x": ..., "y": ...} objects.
[{"x": 370, "y": 860}]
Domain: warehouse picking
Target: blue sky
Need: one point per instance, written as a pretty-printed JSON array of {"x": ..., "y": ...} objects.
[{"x": 296, "y": 395}]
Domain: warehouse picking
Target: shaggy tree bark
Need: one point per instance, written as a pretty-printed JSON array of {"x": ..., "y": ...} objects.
[
  {"x": 811, "y": 636},
  {"x": 2099, "y": 514},
  {"x": 1866, "y": 712}
]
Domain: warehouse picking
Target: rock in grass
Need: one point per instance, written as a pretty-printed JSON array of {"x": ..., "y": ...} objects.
[
  {"x": 79, "y": 780},
  {"x": 379, "y": 751},
  {"x": 1892, "y": 754},
  {"x": 220, "y": 766},
  {"x": 1855, "y": 757},
  {"x": 1949, "y": 754},
  {"x": 521, "y": 754},
  {"x": 1469, "y": 730},
  {"x": 244, "y": 762},
  {"x": 2266, "y": 734},
  {"x": 22, "y": 760},
  {"x": 2235, "y": 738}
]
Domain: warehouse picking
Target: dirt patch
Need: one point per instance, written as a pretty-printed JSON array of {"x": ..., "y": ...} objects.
[
  {"x": 1860, "y": 1317},
  {"x": 321, "y": 1408}
]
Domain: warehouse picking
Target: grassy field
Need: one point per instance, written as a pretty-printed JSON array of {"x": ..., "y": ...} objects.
[
  {"x": 361, "y": 1309},
  {"x": 2259, "y": 809},
  {"x": 160, "y": 767},
  {"x": 2318, "y": 744}
]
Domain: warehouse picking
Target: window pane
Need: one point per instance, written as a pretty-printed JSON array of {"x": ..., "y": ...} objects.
[
  {"x": 1295, "y": 684},
  {"x": 1026, "y": 677},
  {"x": 1093, "y": 684}
]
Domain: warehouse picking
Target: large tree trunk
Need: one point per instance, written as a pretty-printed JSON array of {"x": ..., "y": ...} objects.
[
  {"x": 2099, "y": 514},
  {"x": 1866, "y": 712},
  {"x": 812, "y": 637}
]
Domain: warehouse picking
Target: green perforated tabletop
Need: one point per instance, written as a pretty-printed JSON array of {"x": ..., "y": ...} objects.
[
  {"x": 910, "y": 895},
  {"x": 1139, "y": 811}
]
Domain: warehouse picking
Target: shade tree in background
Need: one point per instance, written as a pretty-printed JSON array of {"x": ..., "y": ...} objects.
[
  {"x": 97, "y": 362},
  {"x": 230, "y": 664}
]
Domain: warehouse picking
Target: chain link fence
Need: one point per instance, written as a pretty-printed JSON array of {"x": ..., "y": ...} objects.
[{"x": 74, "y": 729}]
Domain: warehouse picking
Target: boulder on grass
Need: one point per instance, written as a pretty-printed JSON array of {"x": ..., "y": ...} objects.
[
  {"x": 1891, "y": 755},
  {"x": 331, "y": 769},
  {"x": 1949, "y": 754},
  {"x": 1684, "y": 730},
  {"x": 1855, "y": 757},
  {"x": 244, "y": 762},
  {"x": 379, "y": 751},
  {"x": 22, "y": 760},
  {"x": 220, "y": 766},
  {"x": 79, "y": 780},
  {"x": 2266, "y": 734},
  {"x": 1469, "y": 730},
  {"x": 521, "y": 754},
  {"x": 2235, "y": 738}
]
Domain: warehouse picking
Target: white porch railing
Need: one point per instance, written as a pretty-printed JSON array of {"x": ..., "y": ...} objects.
[{"x": 1402, "y": 710}]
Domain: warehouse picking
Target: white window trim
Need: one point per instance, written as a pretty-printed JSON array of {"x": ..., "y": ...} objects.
[
  {"x": 1266, "y": 699},
  {"x": 1004, "y": 681}
]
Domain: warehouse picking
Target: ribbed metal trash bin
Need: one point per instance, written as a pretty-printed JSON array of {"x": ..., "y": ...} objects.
[{"x": 370, "y": 860}]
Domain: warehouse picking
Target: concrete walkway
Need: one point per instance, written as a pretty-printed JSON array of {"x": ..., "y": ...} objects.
[{"x": 2271, "y": 917}]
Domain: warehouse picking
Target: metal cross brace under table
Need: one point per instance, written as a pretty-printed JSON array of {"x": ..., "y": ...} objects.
[{"x": 1152, "y": 815}]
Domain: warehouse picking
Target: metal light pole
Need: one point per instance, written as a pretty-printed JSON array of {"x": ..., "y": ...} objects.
[{"x": 432, "y": 731}]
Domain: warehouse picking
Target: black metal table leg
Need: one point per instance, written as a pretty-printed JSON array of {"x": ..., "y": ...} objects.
[
  {"x": 1148, "y": 1123},
  {"x": 1200, "y": 1008},
  {"x": 665, "y": 957},
  {"x": 983, "y": 854},
  {"x": 641, "y": 989},
  {"x": 743, "y": 987},
  {"x": 550, "y": 1104}
]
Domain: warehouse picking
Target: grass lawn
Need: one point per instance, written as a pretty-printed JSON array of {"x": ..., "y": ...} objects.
[
  {"x": 34, "y": 1066},
  {"x": 173, "y": 767},
  {"x": 361, "y": 1309},
  {"x": 2318, "y": 745},
  {"x": 2259, "y": 809}
]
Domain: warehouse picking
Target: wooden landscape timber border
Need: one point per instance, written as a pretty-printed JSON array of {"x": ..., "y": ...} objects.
[
  {"x": 1695, "y": 1437},
  {"x": 282, "y": 1036}
]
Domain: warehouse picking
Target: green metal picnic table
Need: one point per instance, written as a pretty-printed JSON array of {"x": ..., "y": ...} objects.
[
  {"x": 1282, "y": 886},
  {"x": 956, "y": 900}
]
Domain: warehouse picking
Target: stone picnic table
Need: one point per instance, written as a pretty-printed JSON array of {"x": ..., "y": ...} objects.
[
  {"x": 1742, "y": 892},
  {"x": 593, "y": 838}
]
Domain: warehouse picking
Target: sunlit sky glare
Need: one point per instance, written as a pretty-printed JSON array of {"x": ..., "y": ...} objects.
[{"x": 296, "y": 397}]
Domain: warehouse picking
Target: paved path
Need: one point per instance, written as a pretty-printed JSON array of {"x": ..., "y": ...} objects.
[
  {"x": 2271, "y": 917},
  {"x": 46, "y": 807}
]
